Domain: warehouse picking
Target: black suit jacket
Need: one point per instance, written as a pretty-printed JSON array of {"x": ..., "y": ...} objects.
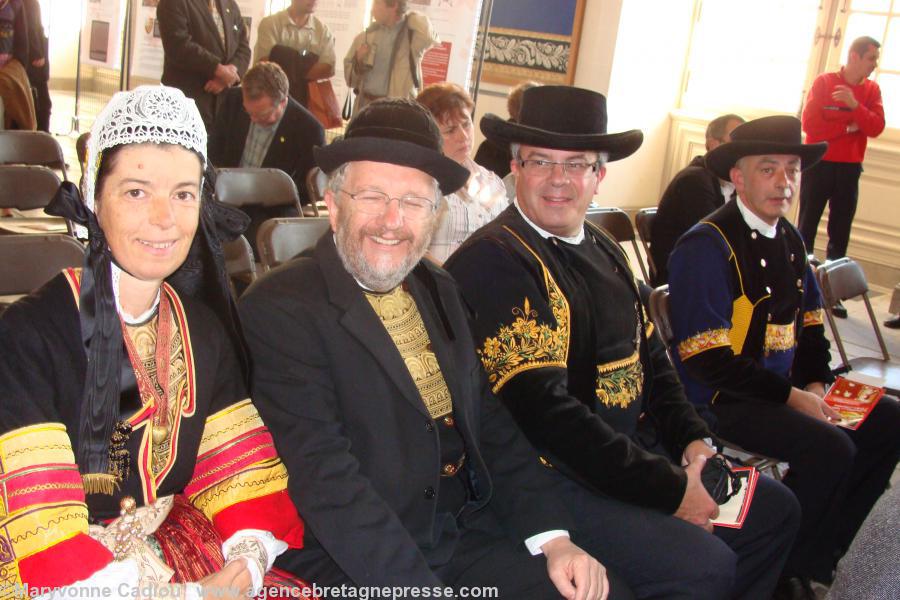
[
  {"x": 193, "y": 48},
  {"x": 691, "y": 195},
  {"x": 291, "y": 147},
  {"x": 361, "y": 449}
]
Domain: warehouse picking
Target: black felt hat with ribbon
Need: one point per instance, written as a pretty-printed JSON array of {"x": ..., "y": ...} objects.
[
  {"x": 396, "y": 131},
  {"x": 563, "y": 118},
  {"x": 778, "y": 134}
]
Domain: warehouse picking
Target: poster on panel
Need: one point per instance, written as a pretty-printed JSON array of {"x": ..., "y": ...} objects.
[
  {"x": 533, "y": 39},
  {"x": 456, "y": 24},
  {"x": 101, "y": 33}
]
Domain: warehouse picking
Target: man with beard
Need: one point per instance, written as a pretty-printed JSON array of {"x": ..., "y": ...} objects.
[{"x": 406, "y": 469}]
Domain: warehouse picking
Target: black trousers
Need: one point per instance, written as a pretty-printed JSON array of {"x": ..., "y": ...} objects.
[
  {"x": 835, "y": 184},
  {"x": 836, "y": 474},
  {"x": 661, "y": 556},
  {"x": 485, "y": 557}
]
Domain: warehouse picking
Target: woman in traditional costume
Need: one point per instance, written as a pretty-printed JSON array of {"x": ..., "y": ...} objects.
[{"x": 130, "y": 455}]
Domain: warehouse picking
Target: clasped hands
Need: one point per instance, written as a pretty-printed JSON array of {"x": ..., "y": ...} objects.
[{"x": 224, "y": 77}]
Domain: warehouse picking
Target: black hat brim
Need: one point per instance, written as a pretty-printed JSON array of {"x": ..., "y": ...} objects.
[
  {"x": 449, "y": 174},
  {"x": 617, "y": 145},
  {"x": 722, "y": 158}
]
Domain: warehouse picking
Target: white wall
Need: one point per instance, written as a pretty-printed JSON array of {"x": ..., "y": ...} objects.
[
  {"x": 633, "y": 51},
  {"x": 650, "y": 51}
]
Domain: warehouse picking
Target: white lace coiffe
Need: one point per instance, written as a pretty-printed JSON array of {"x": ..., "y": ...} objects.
[{"x": 150, "y": 113}]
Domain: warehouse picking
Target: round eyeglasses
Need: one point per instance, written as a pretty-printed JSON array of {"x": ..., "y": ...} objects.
[{"x": 373, "y": 202}]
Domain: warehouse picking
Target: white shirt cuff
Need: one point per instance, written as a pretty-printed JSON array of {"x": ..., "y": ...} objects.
[
  {"x": 535, "y": 542},
  {"x": 273, "y": 547}
]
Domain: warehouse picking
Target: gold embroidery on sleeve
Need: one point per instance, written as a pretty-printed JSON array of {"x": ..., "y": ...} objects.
[
  {"x": 703, "y": 341},
  {"x": 813, "y": 317},
  {"x": 779, "y": 338},
  {"x": 619, "y": 383}
]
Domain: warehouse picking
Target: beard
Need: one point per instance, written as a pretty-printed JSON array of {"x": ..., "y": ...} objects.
[{"x": 382, "y": 275}]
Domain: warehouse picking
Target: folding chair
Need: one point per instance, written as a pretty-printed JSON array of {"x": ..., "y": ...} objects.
[
  {"x": 29, "y": 261},
  {"x": 81, "y": 149},
  {"x": 315, "y": 188},
  {"x": 659, "y": 314},
  {"x": 616, "y": 222},
  {"x": 239, "y": 264},
  {"x": 256, "y": 187},
  {"x": 280, "y": 240},
  {"x": 843, "y": 279},
  {"x": 643, "y": 222},
  {"x": 31, "y": 148},
  {"x": 28, "y": 187}
]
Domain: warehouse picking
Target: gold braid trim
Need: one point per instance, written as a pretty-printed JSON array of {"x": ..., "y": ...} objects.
[
  {"x": 814, "y": 317},
  {"x": 527, "y": 344},
  {"x": 779, "y": 338},
  {"x": 703, "y": 341}
]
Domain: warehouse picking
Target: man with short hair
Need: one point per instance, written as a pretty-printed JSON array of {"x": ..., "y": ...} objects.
[
  {"x": 843, "y": 109},
  {"x": 562, "y": 331},
  {"x": 206, "y": 49},
  {"x": 260, "y": 126},
  {"x": 385, "y": 60},
  {"x": 749, "y": 343},
  {"x": 300, "y": 43},
  {"x": 691, "y": 195},
  {"x": 298, "y": 28},
  {"x": 407, "y": 471}
]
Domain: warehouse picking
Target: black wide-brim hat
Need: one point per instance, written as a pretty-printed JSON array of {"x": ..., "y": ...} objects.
[
  {"x": 396, "y": 131},
  {"x": 779, "y": 134},
  {"x": 563, "y": 118}
]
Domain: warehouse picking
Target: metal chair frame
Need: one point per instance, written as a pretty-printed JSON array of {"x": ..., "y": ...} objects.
[
  {"x": 29, "y": 261},
  {"x": 31, "y": 148},
  {"x": 643, "y": 223},
  {"x": 843, "y": 279},
  {"x": 616, "y": 222},
  {"x": 256, "y": 187}
]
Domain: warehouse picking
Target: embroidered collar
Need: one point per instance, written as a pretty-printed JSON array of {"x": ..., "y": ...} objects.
[
  {"x": 575, "y": 239},
  {"x": 754, "y": 222}
]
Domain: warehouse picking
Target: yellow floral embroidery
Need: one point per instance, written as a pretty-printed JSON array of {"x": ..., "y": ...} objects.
[
  {"x": 620, "y": 383},
  {"x": 813, "y": 317},
  {"x": 703, "y": 341},
  {"x": 779, "y": 338},
  {"x": 527, "y": 344}
]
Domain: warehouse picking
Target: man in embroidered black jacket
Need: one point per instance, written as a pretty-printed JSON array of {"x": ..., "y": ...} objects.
[{"x": 562, "y": 332}]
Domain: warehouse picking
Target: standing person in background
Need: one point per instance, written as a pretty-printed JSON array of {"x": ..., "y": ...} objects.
[
  {"x": 386, "y": 58},
  {"x": 843, "y": 109},
  {"x": 490, "y": 155},
  {"x": 298, "y": 28},
  {"x": 484, "y": 196},
  {"x": 38, "y": 67},
  {"x": 207, "y": 49}
]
